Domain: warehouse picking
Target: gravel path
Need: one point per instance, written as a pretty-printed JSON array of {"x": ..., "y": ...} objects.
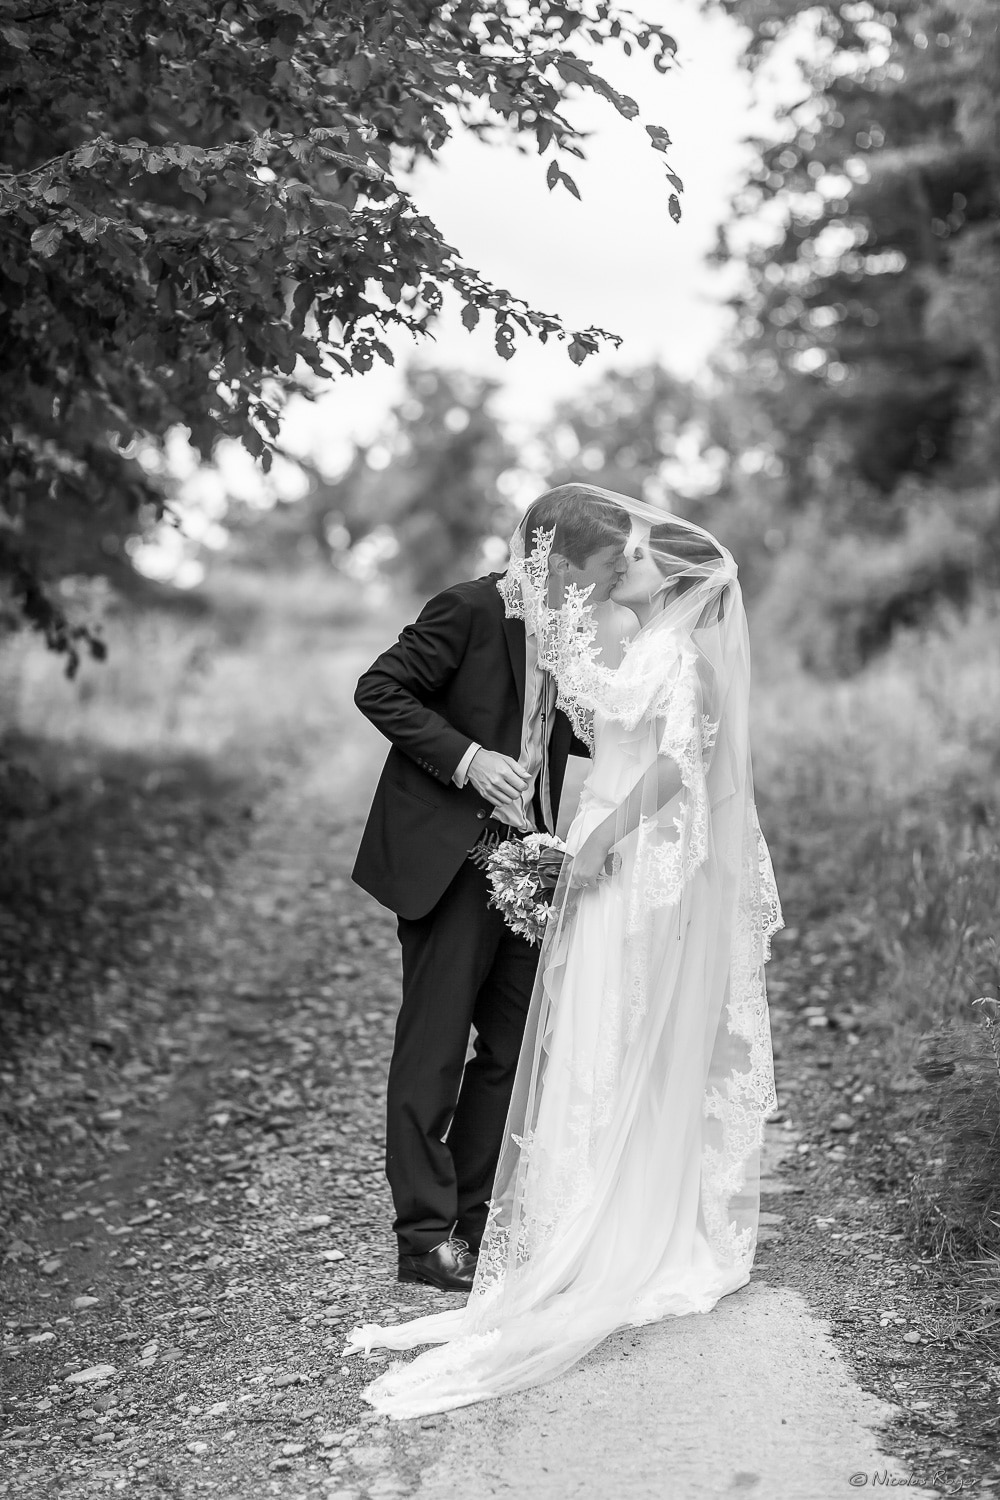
[{"x": 178, "y": 1295}]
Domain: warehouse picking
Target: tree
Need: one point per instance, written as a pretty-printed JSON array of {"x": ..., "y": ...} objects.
[
  {"x": 703, "y": 450},
  {"x": 428, "y": 488},
  {"x": 202, "y": 213},
  {"x": 871, "y": 326},
  {"x": 438, "y": 485}
]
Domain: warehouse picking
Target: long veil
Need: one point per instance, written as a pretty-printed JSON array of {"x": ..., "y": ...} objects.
[{"x": 628, "y": 1182}]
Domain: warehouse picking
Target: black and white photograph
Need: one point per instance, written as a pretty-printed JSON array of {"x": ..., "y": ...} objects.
[{"x": 499, "y": 749}]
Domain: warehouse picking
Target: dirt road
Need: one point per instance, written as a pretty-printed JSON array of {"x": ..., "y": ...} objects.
[{"x": 191, "y": 1254}]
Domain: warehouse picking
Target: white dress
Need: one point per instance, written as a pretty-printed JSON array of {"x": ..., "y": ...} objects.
[{"x": 628, "y": 1186}]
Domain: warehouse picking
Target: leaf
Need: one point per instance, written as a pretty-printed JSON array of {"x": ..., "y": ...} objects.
[
  {"x": 16, "y": 37},
  {"x": 359, "y": 72},
  {"x": 47, "y": 239},
  {"x": 658, "y": 137},
  {"x": 567, "y": 179},
  {"x": 470, "y": 315},
  {"x": 674, "y": 208},
  {"x": 552, "y": 175}
]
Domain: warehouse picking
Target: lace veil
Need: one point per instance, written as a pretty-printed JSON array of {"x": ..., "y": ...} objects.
[{"x": 628, "y": 1180}]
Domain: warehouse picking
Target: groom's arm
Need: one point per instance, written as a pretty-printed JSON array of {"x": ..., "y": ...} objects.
[{"x": 420, "y": 664}]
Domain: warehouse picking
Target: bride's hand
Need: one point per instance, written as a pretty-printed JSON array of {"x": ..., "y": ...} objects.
[{"x": 593, "y": 860}]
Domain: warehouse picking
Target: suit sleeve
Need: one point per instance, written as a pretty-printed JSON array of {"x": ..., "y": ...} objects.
[{"x": 393, "y": 691}]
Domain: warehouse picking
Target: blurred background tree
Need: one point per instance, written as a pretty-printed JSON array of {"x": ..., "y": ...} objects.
[
  {"x": 869, "y": 328},
  {"x": 872, "y": 323},
  {"x": 423, "y": 503}
]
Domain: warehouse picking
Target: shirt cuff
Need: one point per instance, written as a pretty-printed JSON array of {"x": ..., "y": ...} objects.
[{"x": 462, "y": 769}]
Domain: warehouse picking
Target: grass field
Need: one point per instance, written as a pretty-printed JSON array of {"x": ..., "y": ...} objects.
[{"x": 880, "y": 798}]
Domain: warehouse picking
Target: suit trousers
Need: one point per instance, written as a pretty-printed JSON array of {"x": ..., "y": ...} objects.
[{"x": 462, "y": 967}]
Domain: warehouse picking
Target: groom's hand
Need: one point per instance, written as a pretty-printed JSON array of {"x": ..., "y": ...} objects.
[{"x": 496, "y": 776}]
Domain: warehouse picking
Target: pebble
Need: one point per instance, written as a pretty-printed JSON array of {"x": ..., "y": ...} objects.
[
  {"x": 290, "y": 1450},
  {"x": 40, "y": 1338},
  {"x": 50, "y": 1267},
  {"x": 282, "y": 1380},
  {"x": 911, "y": 1338},
  {"x": 92, "y": 1372},
  {"x": 332, "y": 1255},
  {"x": 81, "y": 1302},
  {"x": 842, "y": 1122},
  {"x": 318, "y": 1221},
  {"x": 197, "y": 1447}
]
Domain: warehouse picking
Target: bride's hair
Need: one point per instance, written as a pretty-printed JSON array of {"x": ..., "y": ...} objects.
[
  {"x": 582, "y": 524},
  {"x": 675, "y": 548},
  {"x": 681, "y": 545}
]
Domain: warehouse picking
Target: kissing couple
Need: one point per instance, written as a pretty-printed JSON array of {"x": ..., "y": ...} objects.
[{"x": 595, "y": 1163}]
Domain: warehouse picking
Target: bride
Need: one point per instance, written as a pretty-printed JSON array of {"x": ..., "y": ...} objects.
[{"x": 628, "y": 1183}]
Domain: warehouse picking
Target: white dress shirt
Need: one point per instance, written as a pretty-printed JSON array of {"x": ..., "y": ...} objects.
[{"x": 536, "y": 731}]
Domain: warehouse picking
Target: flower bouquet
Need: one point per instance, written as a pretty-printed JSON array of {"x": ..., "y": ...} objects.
[{"x": 523, "y": 874}]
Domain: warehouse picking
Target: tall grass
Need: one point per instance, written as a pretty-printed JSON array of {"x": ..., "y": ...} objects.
[
  {"x": 250, "y": 669},
  {"x": 883, "y": 810}
]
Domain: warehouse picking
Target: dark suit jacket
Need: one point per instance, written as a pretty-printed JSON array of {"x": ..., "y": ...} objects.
[{"x": 455, "y": 676}]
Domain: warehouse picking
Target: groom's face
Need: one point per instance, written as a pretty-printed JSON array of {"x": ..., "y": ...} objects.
[{"x": 602, "y": 569}]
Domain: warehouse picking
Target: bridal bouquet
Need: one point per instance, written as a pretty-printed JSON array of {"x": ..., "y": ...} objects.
[{"x": 523, "y": 874}]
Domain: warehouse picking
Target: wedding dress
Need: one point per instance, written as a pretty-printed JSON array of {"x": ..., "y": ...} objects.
[{"x": 628, "y": 1183}]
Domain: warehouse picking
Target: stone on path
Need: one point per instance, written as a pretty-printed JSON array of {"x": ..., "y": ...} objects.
[{"x": 93, "y": 1372}]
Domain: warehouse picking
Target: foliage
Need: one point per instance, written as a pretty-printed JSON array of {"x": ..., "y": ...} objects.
[
  {"x": 871, "y": 327},
  {"x": 418, "y": 503},
  {"x": 201, "y": 212},
  {"x": 700, "y": 449},
  {"x": 841, "y": 595}
]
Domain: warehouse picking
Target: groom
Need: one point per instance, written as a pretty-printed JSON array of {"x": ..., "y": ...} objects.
[{"x": 478, "y": 752}]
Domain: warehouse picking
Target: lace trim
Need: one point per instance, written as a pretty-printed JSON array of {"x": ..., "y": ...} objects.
[{"x": 747, "y": 1097}]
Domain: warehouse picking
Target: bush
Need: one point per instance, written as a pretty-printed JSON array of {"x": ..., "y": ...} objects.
[{"x": 840, "y": 600}]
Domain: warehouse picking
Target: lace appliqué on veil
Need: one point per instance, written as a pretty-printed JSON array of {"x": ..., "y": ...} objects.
[{"x": 564, "y": 635}]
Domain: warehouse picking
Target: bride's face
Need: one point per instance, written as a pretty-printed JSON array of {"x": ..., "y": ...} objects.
[{"x": 642, "y": 578}]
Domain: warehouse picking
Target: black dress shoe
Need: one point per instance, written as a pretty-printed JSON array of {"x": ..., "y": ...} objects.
[{"x": 448, "y": 1266}]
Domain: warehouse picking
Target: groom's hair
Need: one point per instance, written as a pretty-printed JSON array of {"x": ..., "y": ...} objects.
[{"x": 583, "y": 523}]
